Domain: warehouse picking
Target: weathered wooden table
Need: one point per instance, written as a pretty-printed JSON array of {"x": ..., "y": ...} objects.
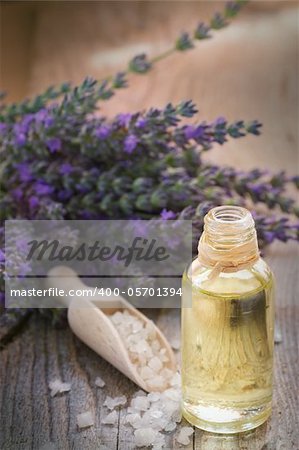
[{"x": 33, "y": 353}]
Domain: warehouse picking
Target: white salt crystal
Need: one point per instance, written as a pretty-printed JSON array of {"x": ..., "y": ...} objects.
[
  {"x": 170, "y": 407},
  {"x": 170, "y": 426},
  {"x": 134, "y": 420},
  {"x": 110, "y": 418},
  {"x": 183, "y": 436},
  {"x": 145, "y": 352},
  {"x": 175, "y": 343},
  {"x": 156, "y": 345},
  {"x": 177, "y": 415},
  {"x": 146, "y": 373},
  {"x": 140, "y": 393},
  {"x": 99, "y": 382},
  {"x": 154, "y": 396},
  {"x": 57, "y": 387},
  {"x": 156, "y": 414},
  {"x": 157, "y": 423},
  {"x": 85, "y": 419},
  {"x": 166, "y": 373},
  {"x": 112, "y": 403},
  {"x": 150, "y": 329},
  {"x": 155, "y": 364},
  {"x": 140, "y": 403},
  {"x": 159, "y": 442},
  {"x": 172, "y": 394},
  {"x": 277, "y": 335},
  {"x": 137, "y": 326},
  {"x": 141, "y": 346},
  {"x": 175, "y": 380},
  {"x": 145, "y": 437},
  {"x": 157, "y": 382},
  {"x": 131, "y": 410},
  {"x": 117, "y": 318}
]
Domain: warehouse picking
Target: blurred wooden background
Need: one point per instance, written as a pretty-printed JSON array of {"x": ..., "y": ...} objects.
[{"x": 248, "y": 70}]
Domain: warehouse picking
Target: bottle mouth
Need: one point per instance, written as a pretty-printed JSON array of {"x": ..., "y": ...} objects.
[
  {"x": 228, "y": 220},
  {"x": 224, "y": 214}
]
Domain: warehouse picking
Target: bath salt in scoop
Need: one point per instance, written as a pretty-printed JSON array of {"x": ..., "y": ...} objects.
[{"x": 117, "y": 331}]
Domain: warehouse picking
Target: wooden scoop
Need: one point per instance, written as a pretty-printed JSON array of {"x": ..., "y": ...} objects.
[{"x": 95, "y": 329}]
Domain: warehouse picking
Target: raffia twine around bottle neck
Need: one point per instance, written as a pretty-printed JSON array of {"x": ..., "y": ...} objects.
[{"x": 228, "y": 246}]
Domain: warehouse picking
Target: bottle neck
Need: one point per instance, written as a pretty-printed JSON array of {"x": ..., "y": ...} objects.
[{"x": 228, "y": 242}]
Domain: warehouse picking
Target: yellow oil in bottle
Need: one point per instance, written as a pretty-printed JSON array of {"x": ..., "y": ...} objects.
[{"x": 227, "y": 347}]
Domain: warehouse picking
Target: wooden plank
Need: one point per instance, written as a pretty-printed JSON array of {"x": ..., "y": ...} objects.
[{"x": 32, "y": 419}]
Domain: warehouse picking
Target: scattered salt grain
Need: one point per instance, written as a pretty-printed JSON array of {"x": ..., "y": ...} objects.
[
  {"x": 154, "y": 396},
  {"x": 175, "y": 380},
  {"x": 145, "y": 437},
  {"x": 57, "y": 387},
  {"x": 170, "y": 426},
  {"x": 111, "y": 418},
  {"x": 99, "y": 382},
  {"x": 134, "y": 420},
  {"x": 184, "y": 434},
  {"x": 277, "y": 335},
  {"x": 112, "y": 403},
  {"x": 175, "y": 343},
  {"x": 140, "y": 403},
  {"x": 85, "y": 419},
  {"x": 140, "y": 393}
]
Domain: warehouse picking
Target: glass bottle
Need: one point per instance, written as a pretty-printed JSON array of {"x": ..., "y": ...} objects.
[{"x": 227, "y": 327}]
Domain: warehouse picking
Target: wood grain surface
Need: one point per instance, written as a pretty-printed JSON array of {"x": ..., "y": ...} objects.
[
  {"x": 31, "y": 419},
  {"x": 248, "y": 70}
]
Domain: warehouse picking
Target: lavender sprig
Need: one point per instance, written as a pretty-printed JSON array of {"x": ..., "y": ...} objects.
[{"x": 106, "y": 89}]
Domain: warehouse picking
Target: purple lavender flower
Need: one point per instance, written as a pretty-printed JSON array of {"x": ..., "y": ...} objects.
[
  {"x": 54, "y": 144},
  {"x": 20, "y": 139},
  {"x": 81, "y": 188},
  {"x": 3, "y": 128},
  {"x": 196, "y": 132},
  {"x": 41, "y": 115},
  {"x": 184, "y": 42},
  {"x": 140, "y": 64},
  {"x": 130, "y": 143},
  {"x": 141, "y": 122},
  {"x": 23, "y": 126},
  {"x": 17, "y": 193},
  {"x": 85, "y": 214},
  {"x": 103, "y": 131},
  {"x": 65, "y": 194},
  {"x": 220, "y": 122},
  {"x": 26, "y": 122},
  {"x": 65, "y": 169},
  {"x": 202, "y": 31},
  {"x": 123, "y": 119},
  {"x": 2, "y": 256},
  {"x": 42, "y": 188},
  {"x": 25, "y": 173},
  {"x": 33, "y": 202},
  {"x": 167, "y": 214}
]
